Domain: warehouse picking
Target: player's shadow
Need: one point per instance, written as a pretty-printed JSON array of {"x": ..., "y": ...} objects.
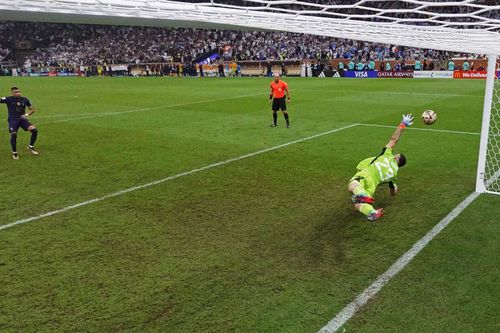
[{"x": 335, "y": 235}]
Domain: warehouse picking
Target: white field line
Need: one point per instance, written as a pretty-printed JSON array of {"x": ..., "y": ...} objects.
[
  {"x": 350, "y": 310},
  {"x": 166, "y": 179},
  {"x": 415, "y": 93},
  {"x": 402, "y": 93},
  {"x": 424, "y": 129},
  {"x": 67, "y": 115},
  {"x": 106, "y": 114}
]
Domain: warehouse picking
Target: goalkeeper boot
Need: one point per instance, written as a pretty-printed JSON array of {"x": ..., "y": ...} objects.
[
  {"x": 15, "y": 156},
  {"x": 375, "y": 215},
  {"x": 361, "y": 198},
  {"x": 274, "y": 125}
]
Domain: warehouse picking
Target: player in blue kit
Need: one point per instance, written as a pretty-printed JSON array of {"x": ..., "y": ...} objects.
[{"x": 16, "y": 106}]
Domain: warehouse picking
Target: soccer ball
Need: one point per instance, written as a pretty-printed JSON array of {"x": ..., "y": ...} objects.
[{"x": 429, "y": 117}]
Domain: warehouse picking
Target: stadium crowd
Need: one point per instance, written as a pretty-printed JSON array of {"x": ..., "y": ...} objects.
[
  {"x": 398, "y": 9},
  {"x": 3, "y": 52},
  {"x": 77, "y": 44}
]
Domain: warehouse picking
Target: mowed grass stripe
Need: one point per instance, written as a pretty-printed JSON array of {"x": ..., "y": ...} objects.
[
  {"x": 163, "y": 180},
  {"x": 192, "y": 230},
  {"x": 423, "y": 129},
  {"x": 451, "y": 286},
  {"x": 407, "y": 93},
  {"x": 159, "y": 107},
  {"x": 352, "y": 308},
  {"x": 267, "y": 245}
]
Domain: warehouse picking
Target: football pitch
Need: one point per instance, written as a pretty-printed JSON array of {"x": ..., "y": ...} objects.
[{"x": 170, "y": 205}]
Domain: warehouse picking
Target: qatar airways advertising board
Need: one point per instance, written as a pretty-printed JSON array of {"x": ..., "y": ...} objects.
[{"x": 395, "y": 74}]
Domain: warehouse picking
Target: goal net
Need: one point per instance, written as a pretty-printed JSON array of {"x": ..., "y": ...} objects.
[
  {"x": 493, "y": 150},
  {"x": 468, "y": 26},
  {"x": 488, "y": 179},
  {"x": 471, "y": 26}
]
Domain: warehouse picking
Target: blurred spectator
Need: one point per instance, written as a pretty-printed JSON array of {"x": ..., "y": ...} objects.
[
  {"x": 418, "y": 65},
  {"x": 465, "y": 65},
  {"x": 451, "y": 65},
  {"x": 91, "y": 45}
]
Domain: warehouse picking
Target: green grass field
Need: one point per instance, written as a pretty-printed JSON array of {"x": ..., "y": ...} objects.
[{"x": 268, "y": 242}]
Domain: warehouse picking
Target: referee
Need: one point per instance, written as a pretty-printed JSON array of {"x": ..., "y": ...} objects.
[{"x": 279, "y": 89}]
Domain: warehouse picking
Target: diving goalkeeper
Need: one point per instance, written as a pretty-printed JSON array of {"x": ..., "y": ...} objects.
[{"x": 374, "y": 171}]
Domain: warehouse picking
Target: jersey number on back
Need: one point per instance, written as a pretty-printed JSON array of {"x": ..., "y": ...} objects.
[{"x": 385, "y": 170}]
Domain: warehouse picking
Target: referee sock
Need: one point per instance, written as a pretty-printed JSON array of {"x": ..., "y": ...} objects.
[
  {"x": 366, "y": 209},
  {"x": 286, "y": 118},
  {"x": 275, "y": 117}
]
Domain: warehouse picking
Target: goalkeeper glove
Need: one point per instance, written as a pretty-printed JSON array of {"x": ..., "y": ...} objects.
[{"x": 407, "y": 120}]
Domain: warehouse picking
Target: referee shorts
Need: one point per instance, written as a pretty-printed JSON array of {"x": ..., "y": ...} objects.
[{"x": 279, "y": 103}]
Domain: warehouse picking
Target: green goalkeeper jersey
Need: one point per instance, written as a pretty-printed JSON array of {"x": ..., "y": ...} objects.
[{"x": 380, "y": 169}]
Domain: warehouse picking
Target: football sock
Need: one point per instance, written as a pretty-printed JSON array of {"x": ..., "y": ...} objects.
[
  {"x": 34, "y": 134},
  {"x": 286, "y": 118},
  {"x": 359, "y": 190},
  {"x": 366, "y": 209},
  {"x": 275, "y": 117},
  {"x": 13, "y": 142}
]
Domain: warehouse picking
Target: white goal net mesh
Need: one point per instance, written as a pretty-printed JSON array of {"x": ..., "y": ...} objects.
[
  {"x": 492, "y": 167},
  {"x": 471, "y": 26}
]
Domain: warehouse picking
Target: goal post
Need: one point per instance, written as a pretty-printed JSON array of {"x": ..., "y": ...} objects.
[{"x": 488, "y": 171}]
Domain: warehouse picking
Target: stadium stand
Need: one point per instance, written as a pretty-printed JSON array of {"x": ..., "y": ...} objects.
[{"x": 75, "y": 46}]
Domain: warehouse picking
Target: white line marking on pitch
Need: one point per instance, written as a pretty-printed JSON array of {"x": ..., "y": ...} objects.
[
  {"x": 67, "y": 115},
  {"x": 424, "y": 129},
  {"x": 400, "y": 93},
  {"x": 106, "y": 114},
  {"x": 166, "y": 179},
  {"x": 350, "y": 310},
  {"x": 415, "y": 93}
]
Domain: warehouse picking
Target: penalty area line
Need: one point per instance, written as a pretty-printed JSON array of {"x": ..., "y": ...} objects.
[
  {"x": 424, "y": 129},
  {"x": 166, "y": 179},
  {"x": 350, "y": 310}
]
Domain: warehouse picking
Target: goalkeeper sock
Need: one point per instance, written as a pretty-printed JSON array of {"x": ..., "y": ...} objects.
[
  {"x": 275, "y": 117},
  {"x": 359, "y": 190},
  {"x": 366, "y": 209},
  {"x": 286, "y": 118}
]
